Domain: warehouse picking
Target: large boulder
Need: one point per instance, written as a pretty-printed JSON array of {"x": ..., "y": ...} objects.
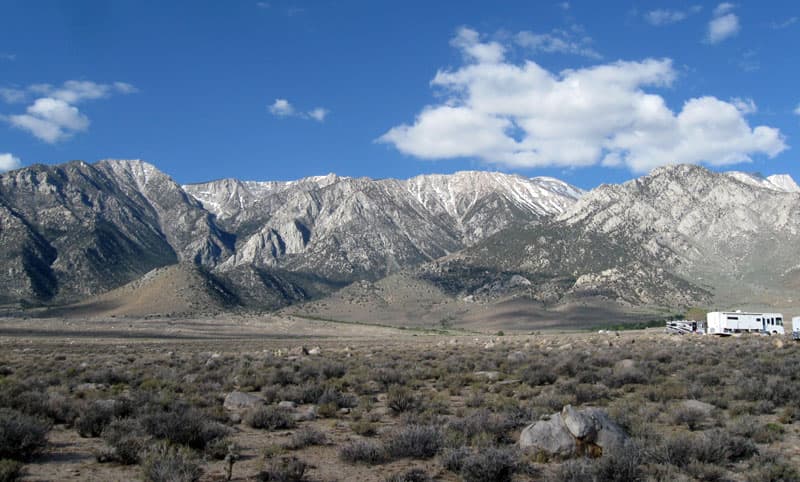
[
  {"x": 549, "y": 436},
  {"x": 237, "y": 401},
  {"x": 574, "y": 432},
  {"x": 579, "y": 424},
  {"x": 610, "y": 435}
]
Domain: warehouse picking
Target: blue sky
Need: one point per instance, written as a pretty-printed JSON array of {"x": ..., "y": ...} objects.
[{"x": 585, "y": 91}]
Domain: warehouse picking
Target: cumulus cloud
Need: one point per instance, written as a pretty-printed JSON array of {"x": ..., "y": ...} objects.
[
  {"x": 8, "y": 162},
  {"x": 522, "y": 115},
  {"x": 53, "y": 116},
  {"x": 723, "y": 25},
  {"x": 284, "y": 108},
  {"x": 51, "y": 120}
]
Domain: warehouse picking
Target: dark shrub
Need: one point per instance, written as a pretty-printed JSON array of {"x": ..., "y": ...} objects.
[
  {"x": 689, "y": 416},
  {"x": 401, "y": 399},
  {"x": 285, "y": 469},
  {"x": 538, "y": 375},
  {"x": 21, "y": 436},
  {"x": 479, "y": 424},
  {"x": 490, "y": 464},
  {"x": 127, "y": 440},
  {"x": 620, "y": 465},
  {"x": 363, "y": 451},
  {"x": 269, "y": 418},
  {"x": 415, "y": 441},
  {"x": 165, "y": 463},
  {"x": 581, "y": 470},
  {"x": 453, "y": 459},
  {"x": 413, "y": 475},
  {"x": 364, "y": 428},
  {"x": 388, "y": 377},
  {"x": 306, "y": 437},
  {"x": 183, "y": 426},
  {"x": 10, "y": 470},
  {"x": 107, "y": 376},
  {"x": 773, "y": 467},
  {"x": 335, "y": 397},
  {"x": 94, "y": 417},
  {"x": 333, "y": 370}
]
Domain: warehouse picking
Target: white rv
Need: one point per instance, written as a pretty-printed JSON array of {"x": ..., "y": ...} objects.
[
  {"x": 732, "y": 322},
  {"x": 796, "y": 328}
]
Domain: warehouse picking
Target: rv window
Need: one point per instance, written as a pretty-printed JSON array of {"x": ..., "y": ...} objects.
[
  {"x": 733, "y": 317},
  {"x": 758, "y": 319}
]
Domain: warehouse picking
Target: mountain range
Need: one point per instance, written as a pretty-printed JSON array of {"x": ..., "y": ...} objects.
[{"x": 101, "y": 235}]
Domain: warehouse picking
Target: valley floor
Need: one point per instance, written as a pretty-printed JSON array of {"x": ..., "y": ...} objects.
[{"x": 372, "y": 402}]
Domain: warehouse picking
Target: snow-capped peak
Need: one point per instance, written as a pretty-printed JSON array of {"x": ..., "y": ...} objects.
[{"x": 776, "y": 182}]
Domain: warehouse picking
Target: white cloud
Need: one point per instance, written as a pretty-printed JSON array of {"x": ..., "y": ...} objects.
[
  {"x": 779, "y": 25},
  {"x": 281, "y": 108},
  {"x": 51, "y": 120},
  {"x": 318, "y": 114},
  {"x": 723, "y": 25},
  {"x": 11, "y": 95},
  {"x": 522, "y": 115},
  {"x": 723, "y": 8},
  {"x": 745, "y": 105},
  {"x": 558, "y": 41},
  {"x": 797, "y": 110},
  {"x": 54, "y": 117},
  {"x": 263, "y": 4},
  {"x": 563, "y": 5},
  {"x": 125, "y": 88},
  {"x": 664, "y": 17},
  {"x": 8, "y": 162},
  {"x": 467, "y": 40},
  {"x": 284, "y": 108}
]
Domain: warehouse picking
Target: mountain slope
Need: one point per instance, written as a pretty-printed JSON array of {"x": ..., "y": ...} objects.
[
  {"x": 177, "y": 290},
  {"x": 707, "y": 227},
  {"x": 74, "y": 232},
  {"x": 347, "y": 229}
]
